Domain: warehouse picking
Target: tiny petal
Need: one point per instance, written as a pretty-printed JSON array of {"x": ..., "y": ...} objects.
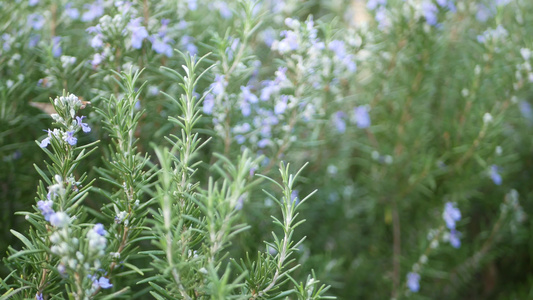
[
  {"x": 104, "y": 283},
  {"x": 70, "y": 138},
  {"x": 454, "y": 238},
  {"x": 494, "y": 175},
  {"x": 413, "y": 281}
]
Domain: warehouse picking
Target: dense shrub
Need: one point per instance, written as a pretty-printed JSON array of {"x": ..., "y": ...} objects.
[{"x": 146, "y": 144}]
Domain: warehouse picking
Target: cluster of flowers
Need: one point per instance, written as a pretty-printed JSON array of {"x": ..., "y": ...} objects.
[
  {"x": 451, "y": 215},
  {"x": 427, "y": 10},
  {"x": 72, "y": 255},
  {"x": 267, "y": 106},
  {"x": 71, "y": 122}
]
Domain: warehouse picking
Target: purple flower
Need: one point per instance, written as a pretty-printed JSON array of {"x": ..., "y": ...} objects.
[
  {"x": 84, "y": 126},
  {"x": 281, "y": 105},
  {"x": 39, "y": 296},
  {"x": 219, "y": 85},
  {"x": 430, "y": 10},
  {"x": 97, "y": 59},
  {"x": 362, "y": 118},
  {"x": 102, "y": 282},
  {"x": 34, "y": 40},
  {"x": 494, "y": 175},
  {"x": 209, "y": 104},
  {"x": 192, "y": 4},
  {"x": 70, "y": 138},
  {"x": 281, "y": 75},
  {"x": 240, "y": 139},
  {"x": 138, "y": 32},
  {"x": 413, "y": 281},
  {"x": 263, "y": 143},
  {"x": 7, "y": 41},
  {"x": 269, "y": 36},
  {"x": 162, "y": 46},
  {"x": 454, "y": 238},
  {"x": 382, "y": 18},
  {"x": 450, "y": 215},
  {"x": 56, "y": 46},
  {"x": 73, "y": 13},
  {"x": 289, "y": 43},
  {"x": 33, "y": 3},
  {"x": 188, "y": 43},
  {"x": 94, "y": 10},
  {"x": 46, "y": 141},
  {"x": 97, "y": 41},
  {"x": 247, "y": 95},
  {"x": 46, "y": 208},
  {"x": 270, "y": 87},
  {"x": 246, "y": 109},
  {"x": 338, "y": 121},
  {"x": 373, "y": 4},
  {"x": 99, "y": 228},
  {"x": 294, "y": 197},
  {"x": 224, "y": 10},
  {"x": 338, "y": 48},
  {"x": 36, "y": 21}
]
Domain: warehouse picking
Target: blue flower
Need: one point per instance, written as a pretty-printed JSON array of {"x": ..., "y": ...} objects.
[
  {"x": 338, "y": 48},
  {"x": 46, "y": 208},
  {"x": 33, "y": 3},
  {"x": 56, "y": 46},
  {"x": 192, "y": 4},
  {"x": 281, "y": 75},
  {"x": 36, "y": 21},
  {"x": 84, "y": 126},
  {"x": 138, "y": 32},
  {"x": 39, "y": 296},
  {"x": 247, "y": 95},
  {"x": 494, "y": 175},
  {"x": 97, "y": 59},
  {"x": 382, "y": 18},
  {"x": 281, "y": 105},
  {"x": 162, "y": 45},
  {"x": 362, "y": 118},
  {"x": 430, "y": 10},
  {"x": 97, "y": 41},
  {"x": 34, "y": 40},
  {"x": 99, "y": 228},
  {"x": 246, "y": 109},
  {"x": 454, "y": 238},
  {"x": 102, "y": 282},
  {"x": 94, "y": 10},
  {"x": 73, "y": 13},
  {"x": 263, "y": 143},
  {"x": 373, "y": 4},
  {"x": 270, "y": 87},
  {"x": 451, "y": 215},
  {"x": 219, "y": 85},
  {"x": 288, "y": 43},
  {"x": 188, "y": 43},
  {"x": 209, "y": 104},
  {"x": 413, "y": 281},
  {"x": 46, "y": 141},
  {"x": 70, "y": 138},
  {"x": 225, "y": 11}
]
